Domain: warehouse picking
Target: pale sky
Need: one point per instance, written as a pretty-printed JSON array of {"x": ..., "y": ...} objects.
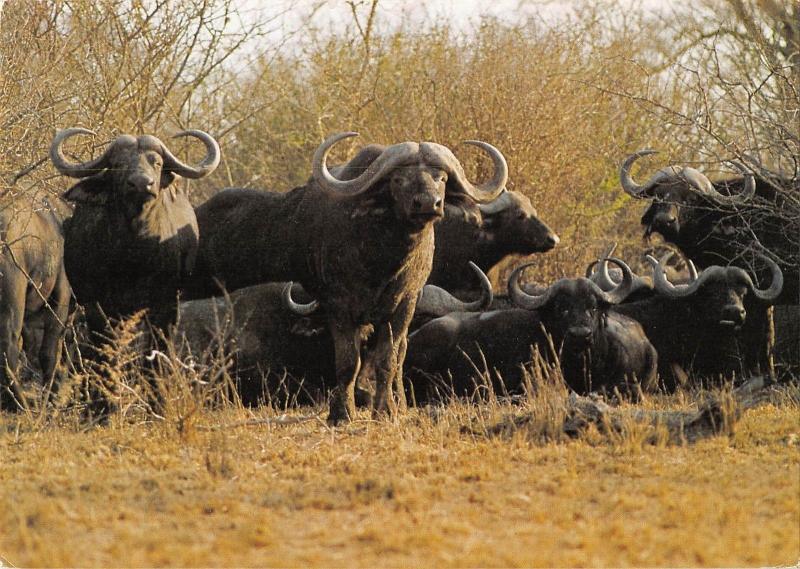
[{"x": 292, "y": 15}]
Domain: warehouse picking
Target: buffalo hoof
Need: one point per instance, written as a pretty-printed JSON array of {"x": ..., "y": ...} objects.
[
  {"x": 12, "y": 399},
  {"x": 8, "y": 403},
  {"x": 342, "y": 410}
]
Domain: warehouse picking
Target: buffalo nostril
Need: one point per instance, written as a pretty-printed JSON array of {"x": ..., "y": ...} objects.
[{"x": 439, "y": 205}]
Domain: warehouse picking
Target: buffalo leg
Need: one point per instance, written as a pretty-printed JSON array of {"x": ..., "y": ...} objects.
[
  {"x": 55, "y": 320},
  {"x": 348, "y": 362},
  {"x": 12, "y": 309},
  {"x": 399, "y": 388},
  {"x": 388, "y": 357}
]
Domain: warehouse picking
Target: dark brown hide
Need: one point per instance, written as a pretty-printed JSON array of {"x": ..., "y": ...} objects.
[
  {"x": 363, "y": 251},
  {"x": 596, "y": 350},
  {"x": 133, "y": 237},
  {"x": 509, "y": 225}
]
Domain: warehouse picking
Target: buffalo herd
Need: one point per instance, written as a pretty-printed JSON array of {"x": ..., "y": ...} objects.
[{"x": 367, "y": 284}]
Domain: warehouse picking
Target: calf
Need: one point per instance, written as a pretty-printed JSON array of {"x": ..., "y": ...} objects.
[{"x": 34, "y": 291}]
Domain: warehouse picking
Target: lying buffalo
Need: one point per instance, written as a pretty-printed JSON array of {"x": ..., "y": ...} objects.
[
  {"x": 282, "y": 349},
  {"x": 34, "y": 291},
  {"x": 597, "y": 349},
  {"x": 697, "y": 327},
  {"x": 363, "y": 247},
  {"x": 133, "y": 237}
]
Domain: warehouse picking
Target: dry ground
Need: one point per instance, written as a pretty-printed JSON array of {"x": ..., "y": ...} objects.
[{"x": 419, "y": 491}]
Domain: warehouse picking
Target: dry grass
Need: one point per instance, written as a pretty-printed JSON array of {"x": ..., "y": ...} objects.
[
  {"x": 198, "y": 481},
  {"x": 234, "y": 487}
]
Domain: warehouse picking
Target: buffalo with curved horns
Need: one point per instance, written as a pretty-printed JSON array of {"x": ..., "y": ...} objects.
[
  {"x": 34, "y": 289},
  {"x": 362, "y": 247},
  {"x": 700, "y": 328},
  {"x": 505, "y": 226},
  {"x": 722, "y": 222},
  {"x": 596, "y": 349},
  {"x": 133, "y": 238}
]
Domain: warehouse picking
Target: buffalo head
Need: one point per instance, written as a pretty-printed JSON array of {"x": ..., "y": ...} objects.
[
  {"x": 416, "y": 177},
  {"x": 673, "y": 187},
  {"x": 511, "y": 222},
  {"x": 719, "y": 291},
  {"x": 133, "y": 170},
  {"x": 572, "y": 310}
]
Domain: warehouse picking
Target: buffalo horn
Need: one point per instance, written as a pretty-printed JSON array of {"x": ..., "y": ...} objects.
[
  {"x": 521, "y": 298},
  {"x": 80, "y": 169},
  {"x": 436, "y": 301},
  {"x": 208, "y": 165},
  {"x": 392, "y": 157},
  {"x": 663, "y": 286},
  {"x": 623, "y": 289},
  {"x": 776, "y": 286},
  {"x": 292, "y": 306},
  {"x": 502, "y": 202},
  {"x": 632, "y": 188}
]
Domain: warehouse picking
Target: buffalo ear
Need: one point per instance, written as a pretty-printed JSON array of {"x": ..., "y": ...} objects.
[
  {"x": 167, "y": 177},
  {"x": 467, "y": 206},
  {"x": 90, "y": 190}
]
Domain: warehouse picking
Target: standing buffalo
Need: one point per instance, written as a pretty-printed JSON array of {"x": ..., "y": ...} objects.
[
  {"x": 363, "y": 247},
  {"x": 715, "y": 223},
  {"x": 696, "y": 327},
  {"x": 507, "y": 225},
  {"x": 597, "y": 349},
  {"x": 33, "y": 287},
  {"x": 133, "y": 237}
]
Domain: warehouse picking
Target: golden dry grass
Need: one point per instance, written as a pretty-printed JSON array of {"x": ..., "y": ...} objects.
[{"x": 420, "y": 491}]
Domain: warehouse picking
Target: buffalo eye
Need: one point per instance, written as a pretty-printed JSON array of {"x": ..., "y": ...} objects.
[
  {"x": 154, "y": 159},
  {"x": 521, "y": 215},
  {"x": 400, "y": 181},
  {"x": 441, "y": 177}
]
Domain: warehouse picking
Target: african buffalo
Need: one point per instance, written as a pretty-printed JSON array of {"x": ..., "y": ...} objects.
[
  {"x": 717, "y": 223},
  {"x": 696, "y": 327},
  {"x": 34, "y": 290},
  {"x": 133, "y": 238},
  {"x": 507, "y": 225},
  {"x": 596, "y": 349},
  {"x": 362, "y": 247}
]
